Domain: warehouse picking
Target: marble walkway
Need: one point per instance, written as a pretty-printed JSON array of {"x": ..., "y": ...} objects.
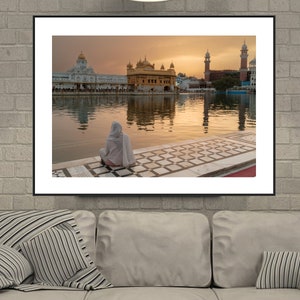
[{"x": 204, "y": 157}]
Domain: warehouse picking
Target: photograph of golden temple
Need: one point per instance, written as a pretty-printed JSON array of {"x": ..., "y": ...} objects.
[
  {"x": 148, "y": 104},
  {"x": 177, "y": 124}
]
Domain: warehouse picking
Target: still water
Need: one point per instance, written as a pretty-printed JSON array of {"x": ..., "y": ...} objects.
[{"x": 81, "y": 123}]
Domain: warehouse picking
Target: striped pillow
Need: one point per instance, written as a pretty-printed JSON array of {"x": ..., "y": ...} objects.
[
  {"x": 279, "y": 270},
  {"x": 14, "y": 267},
  {"x": 55, "y": 256}
]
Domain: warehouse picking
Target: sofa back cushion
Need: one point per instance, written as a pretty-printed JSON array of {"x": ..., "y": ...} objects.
[
  {"x": 154, "y": 248},
  {"x": 240, "y": 238},
  {"x": 86, "y": 222}
]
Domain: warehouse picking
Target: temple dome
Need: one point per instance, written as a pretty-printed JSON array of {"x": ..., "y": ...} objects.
[
  {"x": 81, "y": 56},
  {"x": 145, "y": 64},
  {"x": 253, "y": 62}
]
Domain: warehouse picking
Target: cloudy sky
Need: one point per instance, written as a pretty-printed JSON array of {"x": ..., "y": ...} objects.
[{"x": 111, "y": 54}]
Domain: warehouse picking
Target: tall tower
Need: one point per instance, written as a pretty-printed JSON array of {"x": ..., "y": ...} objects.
[
  {"x": 244, "y": 64},
  {"x": 207, "y": 66}
]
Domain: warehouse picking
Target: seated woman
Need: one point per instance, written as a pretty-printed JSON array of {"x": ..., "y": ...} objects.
[{"x": 118, "y": 150}]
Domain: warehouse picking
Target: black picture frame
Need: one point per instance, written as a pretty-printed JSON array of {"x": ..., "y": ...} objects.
[{"x": 263, "y": 27}]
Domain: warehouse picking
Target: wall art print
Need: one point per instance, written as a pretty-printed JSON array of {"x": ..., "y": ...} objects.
[{"x": 154, "y": 105}]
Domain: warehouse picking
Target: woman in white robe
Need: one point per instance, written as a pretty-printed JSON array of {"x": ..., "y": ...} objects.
[{"x": 117, "y": 150}]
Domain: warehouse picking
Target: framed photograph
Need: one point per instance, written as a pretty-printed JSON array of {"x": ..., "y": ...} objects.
[{"x": 154, "y": 105}]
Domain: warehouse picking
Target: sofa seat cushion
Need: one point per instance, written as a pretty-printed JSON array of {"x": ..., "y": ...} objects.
[
  {"x": 8, "y": 294},
  {"x": 240, "y": 239},
  {"x": 251, "y": 293},
  {"x": 151, "y": 293},
  {"x": 154, "y": 248}
]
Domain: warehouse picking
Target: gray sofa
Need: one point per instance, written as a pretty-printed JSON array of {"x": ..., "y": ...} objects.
[{"x": 180, "y": 255}]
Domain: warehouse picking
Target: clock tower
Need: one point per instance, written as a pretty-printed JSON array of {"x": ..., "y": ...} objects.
[
  {"x": 244, "y": 64},
  {"x": 207, "y": 66}
]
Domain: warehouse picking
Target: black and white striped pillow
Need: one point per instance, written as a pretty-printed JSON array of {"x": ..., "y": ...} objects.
[
  {"x": 14, "y": 267},
  {"x": 280, "y": 269},
  {"x": 55, "y": 256}
]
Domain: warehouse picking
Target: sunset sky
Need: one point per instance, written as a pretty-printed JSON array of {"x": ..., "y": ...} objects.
[{"x": 111, "y": 54}]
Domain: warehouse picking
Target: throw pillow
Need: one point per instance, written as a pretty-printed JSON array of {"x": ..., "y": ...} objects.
[
  {"x": 55, "y": 256},
  {"x": 5, "y": 283},
  {"x": 87, "y": 279},
  {"x": 280, "y": 269},
  {"x": 14, "y": 267}
]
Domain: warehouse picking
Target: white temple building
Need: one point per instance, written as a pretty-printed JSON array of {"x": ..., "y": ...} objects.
[
  {"x": 82, "y": 77},
  {"x": 252, "y": 69}
]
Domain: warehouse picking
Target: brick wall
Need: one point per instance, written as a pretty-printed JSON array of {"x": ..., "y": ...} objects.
[{"x": 16, "y": 103}]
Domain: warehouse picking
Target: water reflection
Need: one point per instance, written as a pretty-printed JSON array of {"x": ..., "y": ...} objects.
[
  {"x": 81, "y": 123},
  {"x": 222, "y": 104},
  {"x": 81, "y": 110},
  {"x": 145, "y": 111}
]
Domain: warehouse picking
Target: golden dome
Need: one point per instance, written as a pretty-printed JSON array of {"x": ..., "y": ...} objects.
[
  {"x": 144, "y": 64},
  {"x": 81, "y": 56}
]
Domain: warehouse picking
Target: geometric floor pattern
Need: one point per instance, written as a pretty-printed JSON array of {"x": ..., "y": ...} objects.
[{"x": 208, "y": 156}]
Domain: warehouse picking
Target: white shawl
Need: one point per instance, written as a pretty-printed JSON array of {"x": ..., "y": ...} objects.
[{"x": 118, "y": 147}]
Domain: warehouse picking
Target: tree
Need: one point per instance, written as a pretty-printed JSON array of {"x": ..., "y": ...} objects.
[{"x": 225, "y": 83}]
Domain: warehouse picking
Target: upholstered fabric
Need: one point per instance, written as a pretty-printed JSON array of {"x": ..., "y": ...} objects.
[
  {"x": 252, "y": 293},
  {"x": 43, "y": 295},
  {"x": 4, "y": 282},
  {"x": 240, "y": 238},
  {"x": 86, "y": 221},
  {"x": 55, "y": 256},
  {"x": 87, "y": 279},
  {"x": 23, "y": 228},
  {"x": 20, "y": 226},
  {"x": 14, "y": 267},
  {"x": 132, "y": 293},
  {"x": 280, "y": 269},
  {"x": 153, "y": 293},
  {"x": 154, "y": 248}
]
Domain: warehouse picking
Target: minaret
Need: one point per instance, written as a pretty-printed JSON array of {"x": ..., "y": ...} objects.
[
  {"x": 244, "y": 64},
  {"x": 207, "y": 66}
]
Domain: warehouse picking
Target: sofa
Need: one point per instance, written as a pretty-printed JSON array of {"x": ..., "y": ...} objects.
[{"x": 183, "y": 256}]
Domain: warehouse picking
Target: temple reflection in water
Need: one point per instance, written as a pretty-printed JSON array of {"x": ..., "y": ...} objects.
[
  {"x": 155, "y": 109},
  {"x": 81, "y": 123}
]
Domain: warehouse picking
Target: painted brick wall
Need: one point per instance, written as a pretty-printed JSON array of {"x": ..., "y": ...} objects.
[{"x": 16, "y": 103}]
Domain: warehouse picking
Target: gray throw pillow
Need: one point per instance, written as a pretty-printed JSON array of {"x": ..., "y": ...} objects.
[
  {"x": 280, "y": 269},
  {"x": 55, "y": 255},
  {"x": 14, "y": 267}
]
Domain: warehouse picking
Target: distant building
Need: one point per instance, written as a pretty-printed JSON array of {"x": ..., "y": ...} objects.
[
  {"x": 252, "y": 68},
  {"x": 81, "y": 77},
  {"x": 212, "y": 75},
  {"x": 244, "y": 64},
  {"x": 145, "y": 78},
  {"x": 243, "y": 73},
  {"x": 192, "y": 85},
  {"x": 207, "y": 70}
]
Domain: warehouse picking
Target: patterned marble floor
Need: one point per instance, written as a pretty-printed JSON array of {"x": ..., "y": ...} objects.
[{"x": 209, "y": 156}]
